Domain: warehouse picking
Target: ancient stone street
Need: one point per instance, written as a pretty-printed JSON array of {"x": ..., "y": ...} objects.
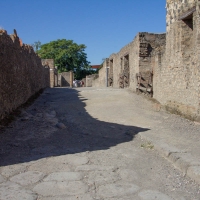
[{"x": 86, "y": 144}]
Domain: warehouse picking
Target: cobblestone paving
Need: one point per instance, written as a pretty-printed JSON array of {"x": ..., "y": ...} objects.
[{"x": 79, "y": 144}]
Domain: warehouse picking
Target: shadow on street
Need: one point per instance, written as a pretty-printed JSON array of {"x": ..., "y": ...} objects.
[{"x": 38, "y": 137}]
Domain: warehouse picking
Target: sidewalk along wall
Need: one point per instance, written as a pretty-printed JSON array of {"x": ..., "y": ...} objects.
[
  {"x": 179, "y": 71},
  {"x": 21, "y": 73}
]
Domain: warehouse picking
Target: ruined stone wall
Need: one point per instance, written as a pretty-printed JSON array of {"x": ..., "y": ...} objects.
[
  {"x": 179, "y": 70},
  {"x": 134, "y": 58},
  {"x": 21, "y": 73},
  {"x": 90, "y": 79},
  {"x": 132, "y": 51},
  {"x": 115, "y": 62},
  {"x": 101, "y": 80},
  {"x": 53, "y": 71},
  {"x": 65, "y": 79},
  {"x": 158, "y": 65}
]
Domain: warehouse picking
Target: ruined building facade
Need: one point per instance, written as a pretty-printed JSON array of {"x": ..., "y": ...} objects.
[
  {"x": 177, "y": 67},
  {"x": 64, "y": 79},
  {"x": 164, "y": 66}
]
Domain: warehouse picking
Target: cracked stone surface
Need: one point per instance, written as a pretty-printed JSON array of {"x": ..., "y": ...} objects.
[
  {"x": 64, "y": 176},
  {"x": 153, "y": 195},
  {"x": 27, "y": 178},
  {"x": 98, "y": 156},
  {"x": 55, "y": 188},
  {"x": 9, "y": 190},
  {"x": 2, "y": 179},
  {"x": 117, "y": 190}
]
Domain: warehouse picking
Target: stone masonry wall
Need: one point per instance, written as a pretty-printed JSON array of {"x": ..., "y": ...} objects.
[
  {"x": 179, "y": 76},
  {"x": 89, "y": 80},
  {"x": 130, "y": 60},
  {"x": 149, "y": 43},
  {"x": 21, "y": 73},
  {"x": 53, "y": 71},
  {"x": 66, "y": 79},
  {"x": 132, "y": 51},
  {"x": 101, "y": 80}
]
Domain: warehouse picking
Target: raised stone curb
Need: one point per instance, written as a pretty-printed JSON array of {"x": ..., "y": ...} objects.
[{"x": 182, "y": 160}]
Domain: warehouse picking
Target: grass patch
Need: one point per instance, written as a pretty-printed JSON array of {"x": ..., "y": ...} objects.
[{"x": 147, "y": 145}]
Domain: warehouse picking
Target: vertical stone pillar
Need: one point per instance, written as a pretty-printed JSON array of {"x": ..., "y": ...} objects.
[
  {"x": 56, "y": 76},
  {"x": 52, "y": 72},
  {"x": 50, "y": 63},
  {"x": 56, "y": 80},
  {"x": 71, "y": 78}
]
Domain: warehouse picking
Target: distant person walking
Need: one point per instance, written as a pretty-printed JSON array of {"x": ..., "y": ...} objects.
[
  {"x": 75, "y": 83},
  {"x": 82, "y": 83}
]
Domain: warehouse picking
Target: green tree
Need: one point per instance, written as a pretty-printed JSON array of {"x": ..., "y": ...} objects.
[
  {"x": 36, "y": 45},
  {"x": 67, "y": 55}
]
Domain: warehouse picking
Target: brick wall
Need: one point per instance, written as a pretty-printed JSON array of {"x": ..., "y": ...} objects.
[{"x": 21, "y": 73}]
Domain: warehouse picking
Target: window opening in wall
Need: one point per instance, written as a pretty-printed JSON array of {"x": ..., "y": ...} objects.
[
  {"x": 121, "y": 75},
  {"x": 187, "y": 17},
  {"x": 111, "y": 73},
  {"x": 126, "y": 70},
  {"x": 126, "y": 63},
  {"x": 121, "y": 64},
  {"x": 189, "y": 21}
]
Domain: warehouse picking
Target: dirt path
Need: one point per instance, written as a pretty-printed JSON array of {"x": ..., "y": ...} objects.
[{"x": 84, "y": 144}]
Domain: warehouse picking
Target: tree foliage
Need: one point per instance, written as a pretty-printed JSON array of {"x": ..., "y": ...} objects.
[
  {"x": 67, "y": 55},
  {"x": 36, "y": 45}
]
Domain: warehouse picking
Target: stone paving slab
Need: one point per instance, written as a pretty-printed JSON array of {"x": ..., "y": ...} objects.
[
  {"x": 54, "y": 188},
  {"x": 28, "y": 178},
  {"x": 64, "y": 176},
  {"x": 12, "y": 170},
  {"x": 153, "y": 195},
  {"x": 2, "y": 179},
  {"x": 94, "y": 168},
  {"x": 102, "y": 177},
  {"x": 117, "y": 189},
  {"x": 77, "y": 197},
  {"x": 9, "y": 190},
  {"x": 50, "y": 166}
]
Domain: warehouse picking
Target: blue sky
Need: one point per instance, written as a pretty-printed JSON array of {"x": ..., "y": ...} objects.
[{"x": 104, "y": 26}]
